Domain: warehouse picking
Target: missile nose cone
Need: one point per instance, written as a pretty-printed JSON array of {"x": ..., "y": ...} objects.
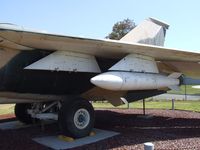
[
  {"x": 95, "y": 80},
  {"x": 108, "y": 81}
]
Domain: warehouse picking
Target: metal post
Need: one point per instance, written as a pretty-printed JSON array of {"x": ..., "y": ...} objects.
[
  {"x": 185, "y": 92},
  {"x": 125, "y": 102},
  {"x": 172, "y": 103},
  {"x": 148, "y": 146},
  {"x": 143, "y": 106}
]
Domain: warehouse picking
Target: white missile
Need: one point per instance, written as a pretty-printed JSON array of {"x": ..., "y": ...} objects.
[{"x": 124, "y": 81}]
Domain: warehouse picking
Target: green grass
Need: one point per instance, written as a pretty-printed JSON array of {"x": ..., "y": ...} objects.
[
  {"x": 189, "y": 90},
  {"x": 6, "y": 109},
  {"x": 180, "y": 105}
]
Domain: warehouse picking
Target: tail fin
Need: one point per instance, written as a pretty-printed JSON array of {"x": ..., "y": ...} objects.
[
  {"x": 150, "y": 31},
  {"x": 175, "y": 88},
  {"x": 175, "y": 75}
]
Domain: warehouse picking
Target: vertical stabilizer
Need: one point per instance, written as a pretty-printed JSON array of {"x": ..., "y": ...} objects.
[{"x": 150, "y": 31}]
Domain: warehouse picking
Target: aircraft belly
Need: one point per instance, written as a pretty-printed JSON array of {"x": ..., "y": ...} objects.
[
  {"x": 14, "y": 78},
  {"x": 6, "y": 56},
  {"x": 46, "y": 82}
]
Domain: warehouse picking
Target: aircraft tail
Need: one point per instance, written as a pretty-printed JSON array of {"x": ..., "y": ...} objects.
[{"x": 150, "y": 31}]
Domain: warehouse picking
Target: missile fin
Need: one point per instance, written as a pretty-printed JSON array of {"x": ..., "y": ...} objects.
[
  {"x": 175, "y": 75},
  {"x": 174, "y": 87}
]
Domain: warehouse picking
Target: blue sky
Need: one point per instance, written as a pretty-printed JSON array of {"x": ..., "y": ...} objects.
[{"x": 95, "y": 19}]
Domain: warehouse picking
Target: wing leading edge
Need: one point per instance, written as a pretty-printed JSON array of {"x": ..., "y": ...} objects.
[{"x": 96, "y": 47}]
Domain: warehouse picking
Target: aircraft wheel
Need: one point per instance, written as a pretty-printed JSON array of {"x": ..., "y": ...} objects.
[
  {"x": 76, "y": 118},
  {"x": 22, "y": 114}
]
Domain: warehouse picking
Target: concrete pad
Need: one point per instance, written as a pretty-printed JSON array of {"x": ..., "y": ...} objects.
[
  {"x": 55, "y": 143},
  {"x": 12, "y": 125},
  {"x": 17, "y": 124}
]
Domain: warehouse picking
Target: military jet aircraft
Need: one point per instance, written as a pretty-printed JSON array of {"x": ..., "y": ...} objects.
[{"x": 51, "y": 76}]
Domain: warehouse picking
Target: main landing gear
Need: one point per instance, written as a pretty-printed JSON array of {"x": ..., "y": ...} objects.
[{"x": 75, "y": 117}]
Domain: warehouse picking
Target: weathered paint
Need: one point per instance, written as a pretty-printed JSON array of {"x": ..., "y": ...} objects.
[
  {"x": 32, "y": 46},
  {"x": 136, "y": 63},
  {"x": 13, "y": 76},
  {"x": 66, "y": 61},
  {"x": 20, "y": 85},
  {"x": 6, "y": 55},
  {"x": 102, "y": 48}
]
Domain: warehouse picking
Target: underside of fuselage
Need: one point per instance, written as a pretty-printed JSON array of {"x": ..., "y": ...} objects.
[
  {"x": 14, "y": 78},
  {"x": 18, "y": 84}
]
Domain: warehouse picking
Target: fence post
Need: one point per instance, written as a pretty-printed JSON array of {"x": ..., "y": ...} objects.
[
  {"x": 128, "y": 105},
  {"x": 173, "y": 103},
  {"x": 185, "y": 92},
  {"x": 144, "y": 107}
]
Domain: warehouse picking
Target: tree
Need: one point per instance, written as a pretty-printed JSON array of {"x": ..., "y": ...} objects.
[{"x": 121, "y": 28}]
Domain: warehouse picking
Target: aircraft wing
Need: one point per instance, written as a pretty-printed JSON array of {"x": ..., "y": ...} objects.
[{"x": 169, "y": 60}]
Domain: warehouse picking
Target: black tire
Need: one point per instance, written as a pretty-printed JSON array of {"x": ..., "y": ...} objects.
[
  {"x": 66, "y": 117},
  {"x": 22, "y": 114}
]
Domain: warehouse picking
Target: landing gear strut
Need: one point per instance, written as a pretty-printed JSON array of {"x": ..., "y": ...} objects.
[{"x": 75, "y": 116}]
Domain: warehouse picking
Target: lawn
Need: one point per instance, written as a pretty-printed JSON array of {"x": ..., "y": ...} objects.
[
  {"x": 189, "y": 90},
  {"x": 6, "y": 109},
  {"x": 181, "y": 105}
]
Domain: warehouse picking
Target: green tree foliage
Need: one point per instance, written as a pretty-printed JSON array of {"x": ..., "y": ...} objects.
[{"x": 121, "y": 28}]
